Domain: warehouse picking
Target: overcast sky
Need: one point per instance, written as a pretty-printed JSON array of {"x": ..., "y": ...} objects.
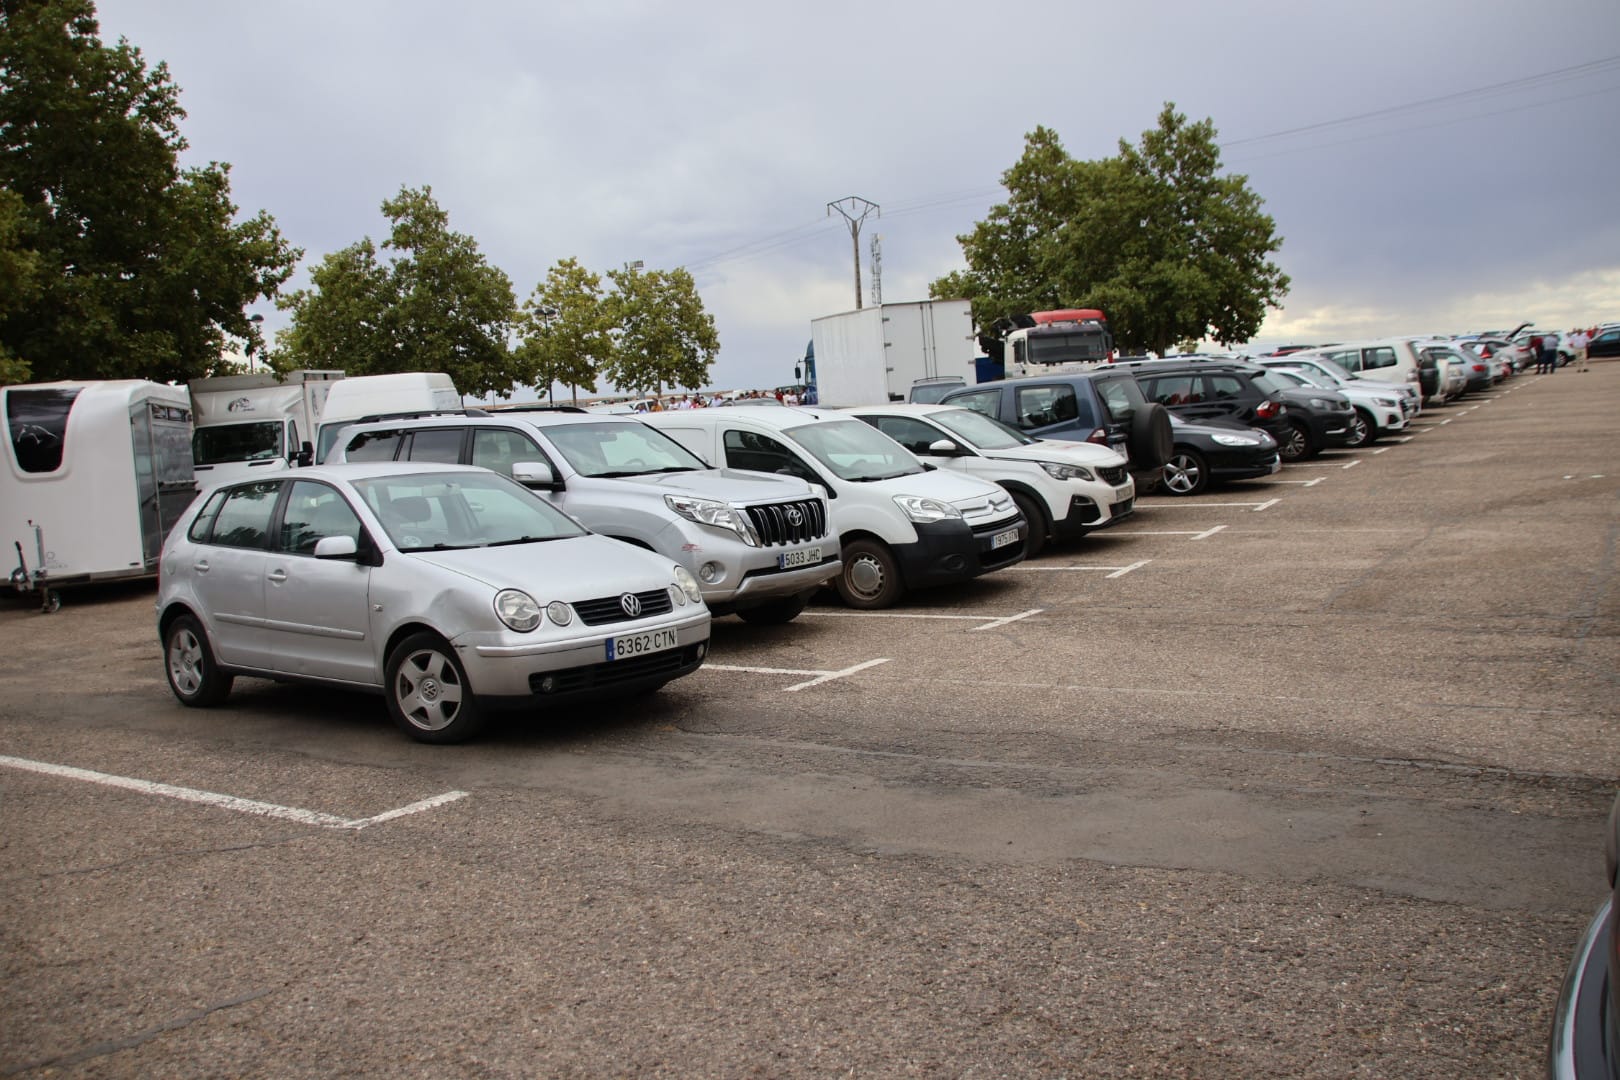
[{"x": 1478, "y": 190}]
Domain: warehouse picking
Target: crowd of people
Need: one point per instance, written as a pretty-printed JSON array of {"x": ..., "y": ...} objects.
[
  {"x": 1547, "y": 348},
  {"x": 781, "y": 396}
]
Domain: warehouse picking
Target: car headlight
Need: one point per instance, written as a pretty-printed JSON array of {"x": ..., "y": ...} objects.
[
  {"x": 1321, "y": 403},
  {"x": 923, "y": 510},
  {"x": 688, "y": 584},
  {"x": 710, "y": 512},
  {"x": 1058, "y": 471},
  {"x": 1388, "y": 403},
  {"x": 517, "y": 610},
  {"x": 1235, "y": 440}
]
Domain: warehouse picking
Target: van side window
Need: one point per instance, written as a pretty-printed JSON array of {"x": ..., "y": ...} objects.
[
  {"x": 500, "y": 448},
  {"x": 314, "y": 512},
  {"x": 1380, "y": 357},
  {"x": 244, "y": 520},
  {"x": 914, "y": 435},
  {"x": 373, "y": 446},
  {"x": 440, "y": 444},
  {"x": 760, "y": 453}
]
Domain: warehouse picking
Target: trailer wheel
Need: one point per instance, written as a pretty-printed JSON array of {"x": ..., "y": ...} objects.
[{"x": 194, "y": 676}]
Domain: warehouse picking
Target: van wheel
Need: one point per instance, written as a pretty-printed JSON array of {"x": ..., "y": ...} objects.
[
  {"x": 427, "y": 691},
  {"x": 871, "y": 577},
  {"x": 782, "y": 610},
  {"x": 1037, "y": 525},
  {"x": 195, "y": 678}
]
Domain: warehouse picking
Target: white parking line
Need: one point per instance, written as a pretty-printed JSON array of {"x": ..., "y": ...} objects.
[
  {"x": 1256, "y": 507},
  {"x": 1118, "y": 571},
  {"x": 228, "y": 802},
  {"x": 1205, "y": 535},
  {"x": 1302, "y": 483},
  {"x": 820, "y": 676}
]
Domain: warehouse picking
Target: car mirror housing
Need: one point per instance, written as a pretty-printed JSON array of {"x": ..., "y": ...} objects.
[
  {"x": 336, "y": 547},
  {"x": 534, "y": 474}
]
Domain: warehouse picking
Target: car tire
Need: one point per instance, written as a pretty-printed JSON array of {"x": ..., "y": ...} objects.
[
  {"x": 1151, "y": 439},
  {"x": 195, "y": 677},
  {"x": 871, "y": 577},
  {"x": 1036, "y": 542},
  {"x": 1363, "y": 429},
  {"x": 1295, "y": 445},
  {"x": 1186, "y": 473},
  {"x": 428, "y": 693},
  {"x": 778, "y": 612}
]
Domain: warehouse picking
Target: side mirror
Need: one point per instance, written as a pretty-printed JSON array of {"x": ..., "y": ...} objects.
[
  {"x": 534, "y": 474},
  {"x": 336, "y": 547},
  {"x": 944, "y": 448},
  {"x": 305, "y": 457}
]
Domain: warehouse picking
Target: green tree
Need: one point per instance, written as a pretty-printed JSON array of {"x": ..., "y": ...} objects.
[
  {"x": 437, "y": 305},
  {"x": 564, "y": 330},
  {"x": 19, "y": 279},
  {"x": 137, "y": 267},
  {"x": 662, "y": 336},
  {"x": 1156, "y": 237}
]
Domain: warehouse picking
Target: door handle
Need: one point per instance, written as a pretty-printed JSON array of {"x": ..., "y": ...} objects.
[
  {"x": 201, "y": 566},
  {"x": 277, "y": 575}
]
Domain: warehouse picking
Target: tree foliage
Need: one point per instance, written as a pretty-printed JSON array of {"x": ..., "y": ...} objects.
[
  {"x": 436, "y": 305},
  {"x": 132, "y": 267},
  {"x": 1156, "y": 237},
  {"x": 564, "y": 329},
  {"x": 661, "y": 334}
]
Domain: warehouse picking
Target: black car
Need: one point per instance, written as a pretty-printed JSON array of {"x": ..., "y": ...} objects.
[
  {"x": 1303, "y": 422},
  {"x": 1585, "y": 1042},
  {"x": 1605, "y": 342},
  {"x": 1105, "y": 407},
  {"x": 1206, "y": 454}
]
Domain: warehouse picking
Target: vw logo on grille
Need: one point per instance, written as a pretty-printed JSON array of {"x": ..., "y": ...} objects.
[
  {"x": 794, "y": 517},
  {"x": 631, "y": 603}
]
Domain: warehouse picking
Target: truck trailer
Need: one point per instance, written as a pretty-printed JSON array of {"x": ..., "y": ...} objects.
[
  {"x": 875, "y": 355},
  {"x": 251, "y": 424}
]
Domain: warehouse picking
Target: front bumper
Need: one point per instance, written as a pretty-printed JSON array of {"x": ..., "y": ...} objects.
[
  {"x": 947, "y": 551},
  {"x": 500, "y": 671}
]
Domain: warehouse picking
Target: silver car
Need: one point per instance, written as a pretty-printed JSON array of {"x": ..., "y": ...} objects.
[{"x": 446, "y": 589}]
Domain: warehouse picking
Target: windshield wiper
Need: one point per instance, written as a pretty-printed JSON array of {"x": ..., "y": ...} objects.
[
  {"x": 884, "y": 476},
  {"x": 441, "y": 546},
  {"x": 521, "y": 540}
]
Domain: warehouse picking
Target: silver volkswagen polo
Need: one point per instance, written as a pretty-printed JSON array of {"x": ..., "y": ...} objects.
[{"x": 449, "y": 590}]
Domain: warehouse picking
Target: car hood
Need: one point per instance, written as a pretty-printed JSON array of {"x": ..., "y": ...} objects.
[
  {"x": 726, "y": 485},
  {"x": 1062, "y": 452},
  {"x": 947, "y": 486},
  {"x": 576, "y": 568}
]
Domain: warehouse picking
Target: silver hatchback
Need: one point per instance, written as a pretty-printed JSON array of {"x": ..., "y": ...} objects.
[{"x": 449, "y": 590}]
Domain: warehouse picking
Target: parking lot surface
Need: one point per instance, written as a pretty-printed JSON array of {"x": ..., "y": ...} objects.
[{"x": 1300, "y": 777}]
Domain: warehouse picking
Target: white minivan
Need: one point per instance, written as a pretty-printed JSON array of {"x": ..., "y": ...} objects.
[{"x": 901, "y": 524}]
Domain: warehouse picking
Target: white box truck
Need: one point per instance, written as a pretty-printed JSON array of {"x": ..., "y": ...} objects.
[
  {"x": 256, "y": 423},
  {"x": 875, "y": 355},
  {"x": 401, "y": 393},
  {"x": 94, "y": 476}
]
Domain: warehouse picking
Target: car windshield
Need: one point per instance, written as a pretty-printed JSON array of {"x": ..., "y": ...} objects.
[
  {"x": 627, "y": 448},
  {"x": 258, "y": 441},
  {"x": 854, "y": 451},
  {"x": 444, "y": 511},
  {"x": 980, "y": 431}
]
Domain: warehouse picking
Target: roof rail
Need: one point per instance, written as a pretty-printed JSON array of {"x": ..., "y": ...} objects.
[{"x": 419, "y": 414}]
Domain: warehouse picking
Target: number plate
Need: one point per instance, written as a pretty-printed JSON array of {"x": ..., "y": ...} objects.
[
  {"x": 1005, "y": 538},
  {"x": 622, "y": 648},
  {"x": 809, "y": 556}
]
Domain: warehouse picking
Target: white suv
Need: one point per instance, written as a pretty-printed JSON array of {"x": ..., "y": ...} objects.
[
  {"x": 759, "y": 546},
  {"x": 900, "y": 525},
  {"x": 1063, "y": 489}
]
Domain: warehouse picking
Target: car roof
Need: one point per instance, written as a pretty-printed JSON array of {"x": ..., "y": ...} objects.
[
  {"x": 906, "y": 408},
  {"x": 780, "y": 417},
  {"x": 530, "y": 418}
]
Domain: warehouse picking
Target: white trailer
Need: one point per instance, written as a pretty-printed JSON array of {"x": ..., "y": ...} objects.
[
  {"x": 872, "y": 356},
  {"x": 95, "y": 474},
  {"x": 247, "y": 424}
]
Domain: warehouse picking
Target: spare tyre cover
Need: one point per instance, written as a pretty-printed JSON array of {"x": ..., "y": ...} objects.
[{"x": 1151, "y": 441}]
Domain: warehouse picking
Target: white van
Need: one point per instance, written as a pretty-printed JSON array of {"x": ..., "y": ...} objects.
[
  {"x": 901, "y": 525},
  {"x": 95, "y": 475},
  {"x": 1394, "y": 360},
  {"x": 400, "y": 393}
]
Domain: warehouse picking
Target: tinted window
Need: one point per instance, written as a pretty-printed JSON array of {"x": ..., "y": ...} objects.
[
  {"x": 1042, "y": 406},
  {"x": 1223, "y": 387},
  {"x": 914, "y": 435},
  {"x": 1174, "y": 390},
  {"x": 38, "y": 423},
  {"x": 760, "y": 453},
  {"x": 373, "y": 446},
  {"x": 501, "y": 448},
  {"x": 313, "y": 512},
  {"x": 237, "y": 442},
  {"x": 436, "y": 444},
  {"x": 1380, "y": 357},
  {"x": 244, "y": 520}
]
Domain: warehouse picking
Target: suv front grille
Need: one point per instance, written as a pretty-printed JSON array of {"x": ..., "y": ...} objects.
[
  {"x": 775, "y": 525},
  {"x": 608, "y": 609},
  {"x": 1112, "y": 475}
]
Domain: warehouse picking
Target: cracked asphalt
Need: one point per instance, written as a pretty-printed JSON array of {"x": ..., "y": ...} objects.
[{"x": 1317, "y": 794}]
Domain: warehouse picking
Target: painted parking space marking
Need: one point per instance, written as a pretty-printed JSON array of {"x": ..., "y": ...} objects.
[
  {"x": 1205, "y": 535},
  {"x": 1115, "y": 571},
  {"x": 819, "y": 676},
  {"x": 1302, "y": 483},
  {"x": 1256, "y": 507},
  {"x": 1351, "y": 464},
  {"x": 987, "y": 621},
  {"x": 229, "y": 802}
]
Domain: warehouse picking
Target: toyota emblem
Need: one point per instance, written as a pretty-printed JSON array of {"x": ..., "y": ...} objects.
[
  {"x": 795, "y": 518},
  {"x": 631, "y": 604}
]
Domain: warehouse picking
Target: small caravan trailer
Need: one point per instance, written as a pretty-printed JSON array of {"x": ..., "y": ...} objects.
[{"x": 95, "y": 473}]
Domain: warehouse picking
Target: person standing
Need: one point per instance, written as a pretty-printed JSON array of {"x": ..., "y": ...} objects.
[
  {"x": 1549, "y": 353},
  {"x": 1541, "y": 357},
  {"x": 1577, "y": 341}
]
